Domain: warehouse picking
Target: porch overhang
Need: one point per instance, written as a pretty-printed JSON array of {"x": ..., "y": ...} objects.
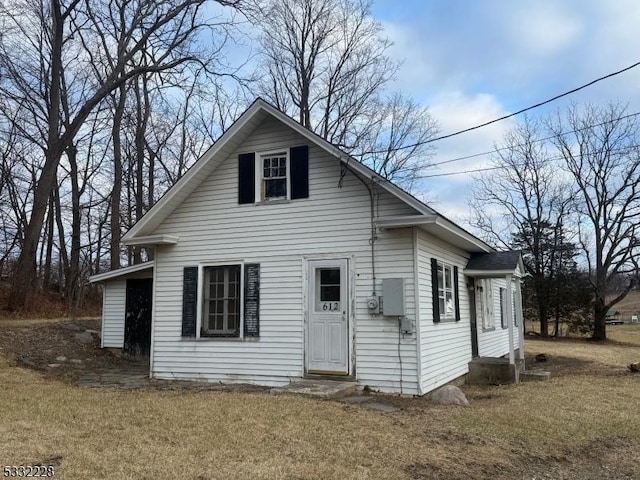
[
  {"x": 491, "y": 273},
  {"x": 151, "y": 240},
  {"x": 119, "y": 272},
  {"x": 439, "y": 227}
]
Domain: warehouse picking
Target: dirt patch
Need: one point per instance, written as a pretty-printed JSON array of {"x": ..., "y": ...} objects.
[
  {"x": 53, "y": 348},
  {"x": 57, "y": 348}
]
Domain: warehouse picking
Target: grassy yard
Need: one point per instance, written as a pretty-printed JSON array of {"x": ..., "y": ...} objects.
[{"x": 583, "y": 424}]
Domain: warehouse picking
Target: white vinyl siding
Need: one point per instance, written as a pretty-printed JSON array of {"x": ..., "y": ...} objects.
[
  {"x": 495, "y": 343},
  {"x": 445, "y": 348},
  {"x": 114, "y": 300},
  {"x": 334, "y": 222}
]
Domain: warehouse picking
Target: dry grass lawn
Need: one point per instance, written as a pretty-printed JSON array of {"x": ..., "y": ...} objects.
[{"x": 583, "y": 424}]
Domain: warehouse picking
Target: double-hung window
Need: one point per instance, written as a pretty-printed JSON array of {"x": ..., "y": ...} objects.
[
  {"x": 221, "y": 301},
  {"x": 221, "y": 312},
  {"x": 273, "y": 176},
  {"x": 446, "y": 291}
]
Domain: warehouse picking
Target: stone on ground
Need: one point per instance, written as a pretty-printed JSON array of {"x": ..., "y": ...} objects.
[
  {"x": 61, "y": 358},
  {"x": 450, "y": 395},
  {"x": 84, "y": 337}
]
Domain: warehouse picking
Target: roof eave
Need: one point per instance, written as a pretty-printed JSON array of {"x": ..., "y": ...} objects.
[
  {"x": 436, "y": 224},
  {"x": 101, "y": 277},
  {"x": 491, "y": 273}
]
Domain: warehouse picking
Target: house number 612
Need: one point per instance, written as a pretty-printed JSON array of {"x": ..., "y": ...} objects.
[{"x": 330, "y": 307}]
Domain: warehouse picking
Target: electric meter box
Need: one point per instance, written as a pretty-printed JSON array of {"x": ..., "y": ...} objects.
[{"x": 393, "y": 297}]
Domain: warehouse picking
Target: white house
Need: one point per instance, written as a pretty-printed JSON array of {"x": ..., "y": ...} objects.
[{"x": 279, "y": 257}]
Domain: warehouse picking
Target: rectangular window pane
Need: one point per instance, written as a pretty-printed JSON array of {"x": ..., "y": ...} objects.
[
  {"x": 330, "y": 276},
  {"x": 447, "y": 277},
  {"x": 330, "y": 293},
  {"x": 275, "y": 188},
  {"x": 449, "y": 303}
]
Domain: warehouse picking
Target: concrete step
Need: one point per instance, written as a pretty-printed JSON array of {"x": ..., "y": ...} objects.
[{"x": 326, "y": 389}]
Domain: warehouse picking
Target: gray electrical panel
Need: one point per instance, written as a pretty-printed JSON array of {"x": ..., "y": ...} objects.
[{"x": 393, "y": 297}]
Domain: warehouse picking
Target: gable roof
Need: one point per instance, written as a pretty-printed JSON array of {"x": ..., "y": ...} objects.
[
  {"x": 229, "y": 142},
  {"x": 495, "y": 264}
]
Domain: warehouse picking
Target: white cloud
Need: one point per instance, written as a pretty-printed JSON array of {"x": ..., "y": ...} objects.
[
  {"x": 457, "y": 111},
  {"x": 543, "y": 29}
]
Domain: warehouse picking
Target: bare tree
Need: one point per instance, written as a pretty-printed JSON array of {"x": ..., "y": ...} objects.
[
  {"x": 37, "y": 49},
  {"x": 525, "y": 203},
  {"x": 395, "y": 140},
  {"x": 326, "y": 63},
  {"x": 602, "y": 155}
]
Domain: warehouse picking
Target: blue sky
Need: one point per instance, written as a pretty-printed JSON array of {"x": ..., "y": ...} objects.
[{"x": 471, "y": 62}]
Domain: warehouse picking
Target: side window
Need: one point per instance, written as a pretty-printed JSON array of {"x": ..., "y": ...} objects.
[{"x": 445, "y": 291}]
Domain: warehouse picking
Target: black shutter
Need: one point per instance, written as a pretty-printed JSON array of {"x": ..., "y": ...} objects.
[
  {"x": 247, "y": 178},
  {"x": 456, "y": 292},
  {"x": 299, "y": 163},
  {"x": 434, "y": 290},
  {"x": 252, "y": 300},
  {"x": 189, "y": 301},
  {"x": 503, "y": 319}
]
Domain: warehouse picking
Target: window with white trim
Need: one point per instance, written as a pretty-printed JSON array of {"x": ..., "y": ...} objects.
[
  {"x": 446, "y": 291},
  {"x": 273, "y": 179},
  {"x": 221, "y": 309},
  {"x": 221, "y": 300}
]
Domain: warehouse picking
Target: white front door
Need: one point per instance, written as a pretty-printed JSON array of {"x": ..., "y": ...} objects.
[{"x": 327, "y": 328}]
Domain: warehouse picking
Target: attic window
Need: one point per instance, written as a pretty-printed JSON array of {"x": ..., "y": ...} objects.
[
  {"x": 274, "y": 176},
  {"x": 277, "y": 175}
]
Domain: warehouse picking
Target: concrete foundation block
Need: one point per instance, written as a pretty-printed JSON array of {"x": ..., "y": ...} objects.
[{"x": 494, "y": 371}]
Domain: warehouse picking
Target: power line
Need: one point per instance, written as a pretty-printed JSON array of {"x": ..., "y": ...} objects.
[
  {"x": 496, "y": 150},
  {"x": 431, "y": 140},
  {"x": 486, "y": 169}
]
